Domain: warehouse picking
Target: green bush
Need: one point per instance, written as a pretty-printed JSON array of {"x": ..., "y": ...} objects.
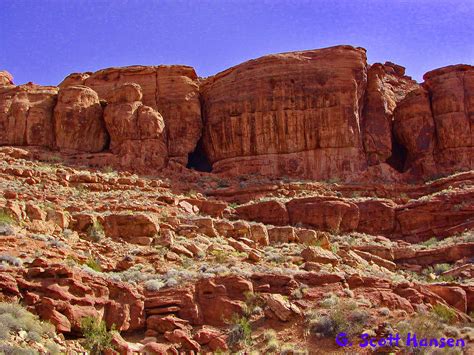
[
  {"x": 446, "y": 314},
  {"x": 5, "y": 218},
  {"x": 93, "y": 264},
  {"x": 97, "y": 338}
]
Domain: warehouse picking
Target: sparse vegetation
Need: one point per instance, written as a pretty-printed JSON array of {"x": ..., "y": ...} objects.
[
  {"x": 10, "y": 259},
  {"x": 154, "y": 285},
  {"x": 93, "y": 263},
  {"x": 253, "y": 303},
  {"x": 270, "y": 337},
  {"x": 240, "y": 332},
  {"x": 424, "y": 325},
  {"x": 5, "y": 218},
  {"x": 342, "y": 316},
  {"x": 445, "y": 314},
  {"x": 96, "y": 231},
  {"x": 14, "y": 318},
  {"x": 97, "y": 338},
  {"x": 430, "y": 242}
]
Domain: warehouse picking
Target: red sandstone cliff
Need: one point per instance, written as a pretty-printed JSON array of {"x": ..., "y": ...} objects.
[{"x": 318, "y": 114}]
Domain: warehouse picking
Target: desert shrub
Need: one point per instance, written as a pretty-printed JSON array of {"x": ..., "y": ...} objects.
[
  {"x": 96, "y": 231},
  {"x": 97, "y": 338},
  {"x": 93, "y": 264},
  {"x": 330, "y": 301},
  {"x": 52, "y": 347},
  {"x": 7, "y": 349},
  {"x": 68, "y": 233},
  {"x": 424, "y": 325},
  {"x": 220, "y": 256},
  {"x": 108, "y": 169},
  {"x": 270, "y": 337},
  {"x": 384, "y": 311},
  {"x": 445, "y": 314},
  {"x": 222, "y": 183},
  {"x": 154, "y": 285},
  {"x": 430, "y": 242},
  {"x": 240, "y": 332},
  {"x": 10, "y": 259},
  {"x": 14, "y": 318},
  {"x": 4, "y": 331},
  {"x": 253, "y": 303},
  {"x": 343, "y": 316},
  {"x": 440, "y": 268},
  {"x": 5, "y": 218},
  {"x": 292, "y": 349},
  {"x": 57, "y": 244}
]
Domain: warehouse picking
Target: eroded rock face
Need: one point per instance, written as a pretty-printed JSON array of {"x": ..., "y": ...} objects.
[
  {"x": 288, "y": 114},
  {"x": 26, "y": 115},
  {"x": 136, "y": 131},
  {"x": 435, "y": 122},
  {"x": 65, "y": 295},
  {"x": 318, "y": 114},
  {"x": 171, "y": 90},
  {"x": 5, "y": 78},
  {"x": 452, "y": 102},
  {"x": 79, "y": 123},
  {"x": 414, "y": 128},
  {"x": 387, "y": 85}
]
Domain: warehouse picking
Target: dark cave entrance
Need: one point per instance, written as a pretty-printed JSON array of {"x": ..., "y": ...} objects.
[
  {"x": 197, "y": 159},
  {"x": 399, "y": 155}
]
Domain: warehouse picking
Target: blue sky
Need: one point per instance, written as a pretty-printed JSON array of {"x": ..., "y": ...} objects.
[{"x": 43, "y": 41}]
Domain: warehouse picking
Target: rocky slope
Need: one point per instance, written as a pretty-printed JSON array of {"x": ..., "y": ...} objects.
[
  {"x": 267, "y": 208},
  {"x": 188, "y": 261}
]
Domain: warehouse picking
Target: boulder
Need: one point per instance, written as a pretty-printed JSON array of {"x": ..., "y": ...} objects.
[
  {"x": 134, "y": 228},
  {"x": 319, "y": 255},
  {"x": 324, "y": 213},
  {"x": 5, "y": 78},
  {"x": 268, "y": 212},
  {"x": 376, "y": 216}
]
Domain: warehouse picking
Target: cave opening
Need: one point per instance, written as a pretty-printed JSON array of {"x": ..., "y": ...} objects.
[
  {"x": 399, "y": 155},
  {"x": 197, "y": 159}
]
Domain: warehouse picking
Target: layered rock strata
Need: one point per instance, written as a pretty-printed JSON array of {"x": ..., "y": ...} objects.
[{"x": 319, "y": 114}]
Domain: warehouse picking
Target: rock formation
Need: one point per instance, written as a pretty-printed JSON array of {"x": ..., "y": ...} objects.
[
  {"x": 171, "y": 90},
  {"x": 136, "y": 131},
  {"x": 319, "y": 114},
  {"x": 79, "y": 121},
  {"x": 26, "y": 115},
  {"x": 295, "y": 114}
]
